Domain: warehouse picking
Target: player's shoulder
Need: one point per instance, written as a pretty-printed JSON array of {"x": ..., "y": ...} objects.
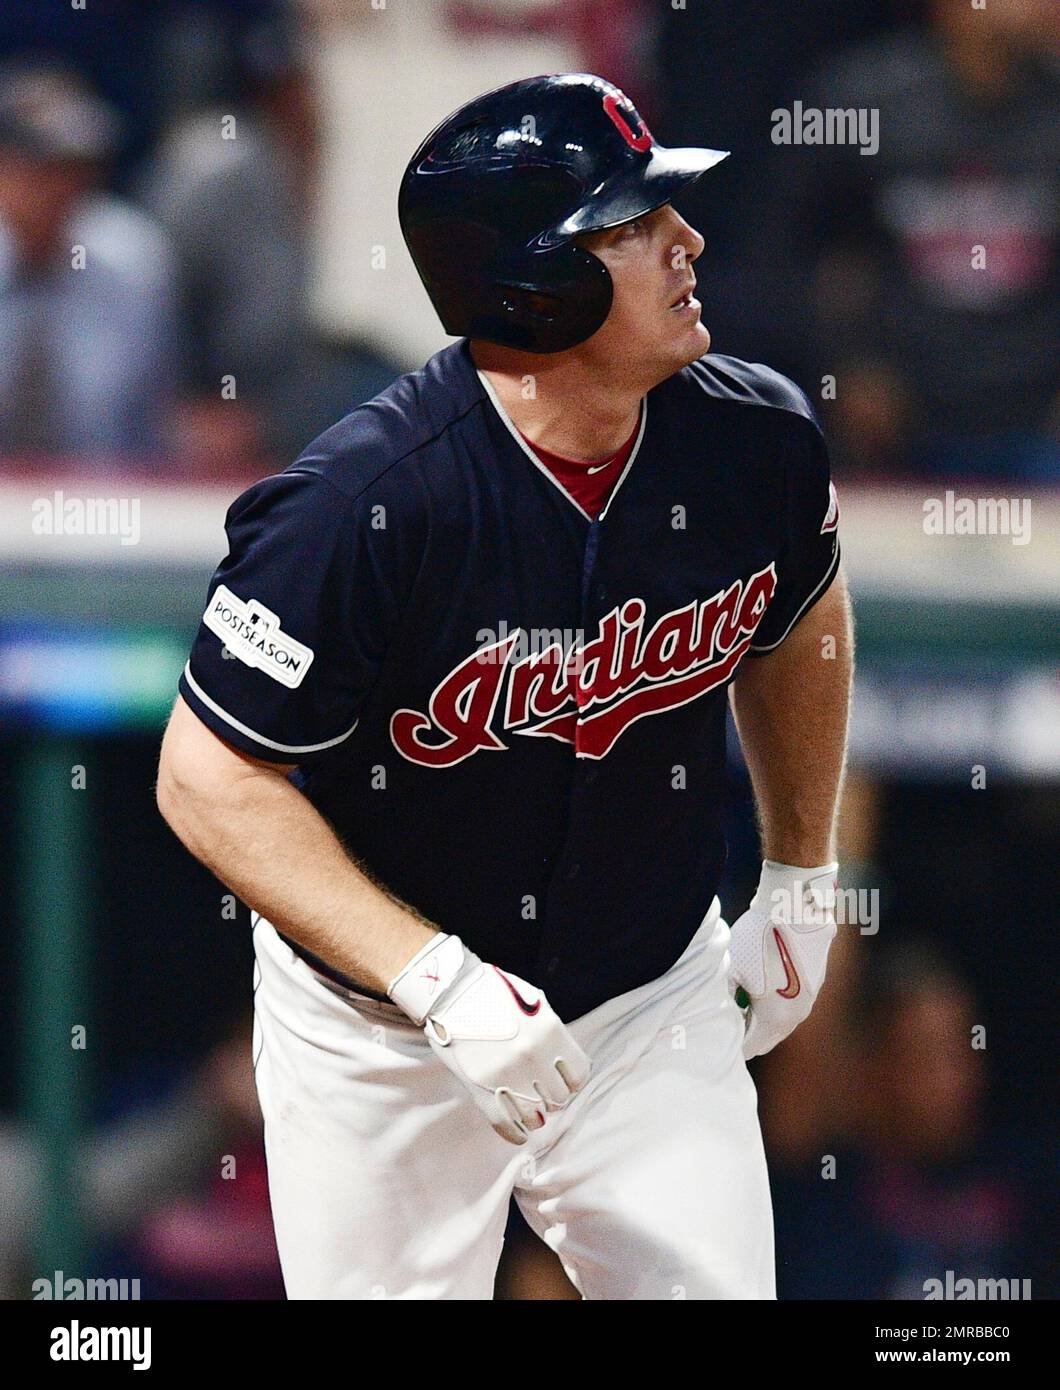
[
  {"x": 375, "y": 457},
  {"x": 377, "y": 447},
  {"x": 718, "y": 377}
]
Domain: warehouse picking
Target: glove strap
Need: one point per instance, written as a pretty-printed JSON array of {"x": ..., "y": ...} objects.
[
  {"x": 796, "y": 892},
  {"x": 418, "y": 986}
]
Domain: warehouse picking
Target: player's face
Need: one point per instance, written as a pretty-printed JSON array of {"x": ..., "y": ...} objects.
[{"x": 655, "y": 318}]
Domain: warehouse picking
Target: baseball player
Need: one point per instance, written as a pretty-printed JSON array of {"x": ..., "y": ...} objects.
[{"x": 454, "y": 727}]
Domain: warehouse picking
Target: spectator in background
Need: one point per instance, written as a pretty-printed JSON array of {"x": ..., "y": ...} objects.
[
  {"x": 919, "y": 1186},
  {"x": 236, "y": 212},
  {"x": 811, "y": 1091},
  {"x": 232, "y": 208},
  {"x": 722, "y": 69},
  {"x": 936, "y": 1191},
  {"x": 612, "y": 36},
  {"x": 86, "y": 350},
  {"x": 232, "y": 180},
  {"x": 883, "y": 1166},
  {"x": 208, "y": 1232},
  {"x": 945, "y": 357},
  {"x": 221, "y": 185},
  {"x": 108, "y": 46},
  {"x": 175, "y": 1192},
  {"x": 154, "y": 62}
]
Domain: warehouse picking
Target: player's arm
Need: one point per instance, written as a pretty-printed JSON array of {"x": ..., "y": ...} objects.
[
  {"x": 791, "y": 707},
  {"x": 261, "y": 837},
  {"x": 297, "y": 622}
]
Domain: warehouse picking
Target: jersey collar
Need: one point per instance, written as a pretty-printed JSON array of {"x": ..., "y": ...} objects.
[{"x": 525, "y": 448}]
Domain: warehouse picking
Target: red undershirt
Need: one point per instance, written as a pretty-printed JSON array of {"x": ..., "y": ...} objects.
[{"x": 588, "y": 483}]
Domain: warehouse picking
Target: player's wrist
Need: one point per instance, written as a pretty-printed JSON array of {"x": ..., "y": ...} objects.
[
  {"x": 788, "y": 888},
  {"x": 432, "y": 971}
]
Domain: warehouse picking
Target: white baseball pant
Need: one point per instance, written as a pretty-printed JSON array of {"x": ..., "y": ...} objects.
[{"x": 386, "y": 1180}]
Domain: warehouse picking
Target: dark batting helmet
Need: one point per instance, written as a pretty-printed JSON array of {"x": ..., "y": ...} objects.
[{"x": 492, "y": 200}]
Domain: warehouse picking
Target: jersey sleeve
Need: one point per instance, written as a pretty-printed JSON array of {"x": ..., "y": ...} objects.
[
  {"x": 809, "y": 538},
  {"x": 298, "y": 618}
]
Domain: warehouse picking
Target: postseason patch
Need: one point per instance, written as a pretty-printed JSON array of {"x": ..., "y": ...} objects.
[{"x": 252, "y": 633}]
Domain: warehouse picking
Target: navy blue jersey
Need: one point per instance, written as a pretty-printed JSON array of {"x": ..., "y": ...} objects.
[{"x": 512, "y": 715}]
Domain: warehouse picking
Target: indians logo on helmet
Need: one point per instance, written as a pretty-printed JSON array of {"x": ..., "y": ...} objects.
[{"x": 640, "y": 142}]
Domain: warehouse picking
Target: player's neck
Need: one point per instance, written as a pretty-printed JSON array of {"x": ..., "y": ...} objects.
[{"x": 559, "y": 407}]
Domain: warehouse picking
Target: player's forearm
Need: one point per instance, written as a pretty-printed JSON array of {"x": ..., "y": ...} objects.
[
  {"x": 791, "y": 709},
  {"x": 265, "y": 841}
]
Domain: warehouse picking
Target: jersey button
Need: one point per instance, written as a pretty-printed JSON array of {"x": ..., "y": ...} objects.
[{"x": 573, "y": 871}]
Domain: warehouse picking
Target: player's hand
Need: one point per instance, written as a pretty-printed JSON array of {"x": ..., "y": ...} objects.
[
  {"x": 779, "y": 950},
  {"x": 494, "y": 1031}
]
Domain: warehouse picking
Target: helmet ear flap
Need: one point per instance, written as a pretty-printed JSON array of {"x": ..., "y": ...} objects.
[{"x": 552, "y": 300}]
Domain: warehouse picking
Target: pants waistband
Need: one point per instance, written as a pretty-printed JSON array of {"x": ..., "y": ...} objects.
[
  {"x": 336, "y": 976},
  {"x": 703, "y": 934}
]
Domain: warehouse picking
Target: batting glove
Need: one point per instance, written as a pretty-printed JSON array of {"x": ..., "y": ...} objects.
[
  {"x": 779, "y": 950},
  {"x": 495, "y": 1032}
]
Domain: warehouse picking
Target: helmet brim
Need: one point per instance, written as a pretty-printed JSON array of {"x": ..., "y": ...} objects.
[{"x": 634, "y": 192}]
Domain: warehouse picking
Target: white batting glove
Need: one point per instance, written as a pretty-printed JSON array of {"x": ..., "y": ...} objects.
[
  {"x": 779, "y": 950},
  {"x": 497, "y": 1033}
]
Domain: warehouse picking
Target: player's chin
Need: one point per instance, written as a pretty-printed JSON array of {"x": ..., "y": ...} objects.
[{"x": 690, "y": 341}]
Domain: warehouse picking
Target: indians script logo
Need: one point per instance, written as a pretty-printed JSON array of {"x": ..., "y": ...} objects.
[{"x": 591, "y": 695}]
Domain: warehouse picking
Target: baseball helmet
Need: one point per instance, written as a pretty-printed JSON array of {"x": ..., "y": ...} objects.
[{"x": 493, "y": 198}]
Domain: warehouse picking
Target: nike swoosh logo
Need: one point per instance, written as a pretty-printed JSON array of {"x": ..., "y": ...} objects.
[
  {"x": 792, "y": 985},
  {"x": 431, "y": 974},
  {"x": 529, "y": 1009},
  {"x": 598, "y": 466}
]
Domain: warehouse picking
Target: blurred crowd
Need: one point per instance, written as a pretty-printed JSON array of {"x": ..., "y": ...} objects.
[
  {"x": 174, "y": 1190},
  {"x": 168, "y": 172},
  {"x": 157, "y": 175}
]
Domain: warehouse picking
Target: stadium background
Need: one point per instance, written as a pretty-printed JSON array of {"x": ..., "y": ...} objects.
[{"x": 275, "y": 258}]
